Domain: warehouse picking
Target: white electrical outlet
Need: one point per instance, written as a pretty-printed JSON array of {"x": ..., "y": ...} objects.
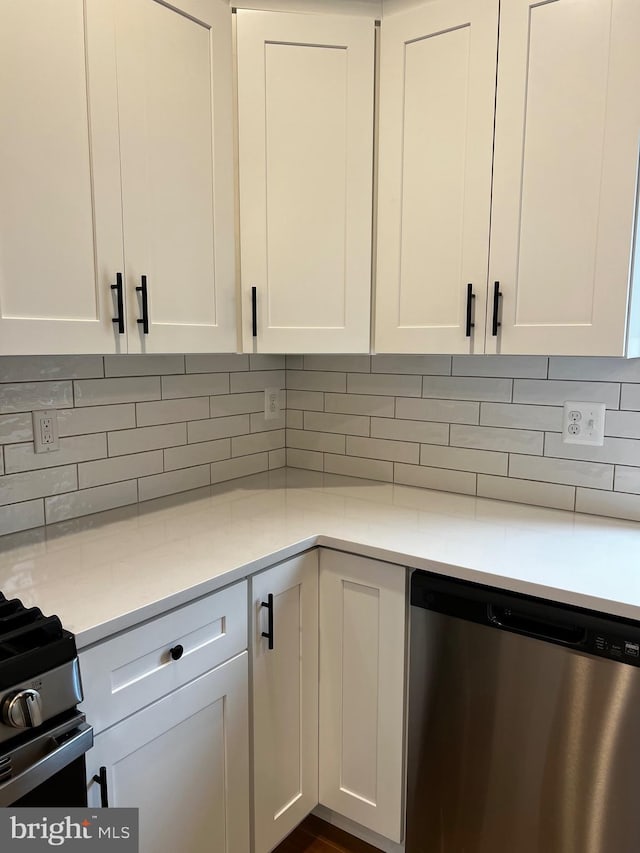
[
  {"x": 583, "y": 423},
  {"x": 45, "y": 431},
  {"x": 271, "y": 404}
]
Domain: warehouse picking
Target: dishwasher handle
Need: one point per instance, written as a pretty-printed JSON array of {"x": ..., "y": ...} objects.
[{"x": 541, "y": 629}]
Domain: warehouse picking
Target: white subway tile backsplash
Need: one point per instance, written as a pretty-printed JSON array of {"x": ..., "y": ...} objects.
[
  {"x": 310, "y": 460},
  {"x": 16, "y": 427},
  {"x": 382, "y": 448},
  {"x": 617, "y": 451},
  {"x": 257, "y": 380},
  {"x": 384, "y": 383},
  {"x": 420, "y": 431},
  {"x": 96, "y": 419},
  {"x": 21, "y": 457},
  {"x": 429, "y": 365},
  {"x": 118, "y": 468},
  {"x": 613, "y": 504},
  {"x": 195, "y": 385},
  {"x": 174, "y": 481},
  {"x": 515, "y": 416},
  {"x": 557, "y": 392},
  {"x": 216, "y": 363},
  {"x": 172, "y": 411},
  {"x": 203, "y": 453},
  {"x": 241, "y": 466},
  {"x": 359, "y": 404},
  {"x": 174, "y": 422},
  {"x": 42, "y": 368},
  {"x": 627, "y": 479},
  {"x": 464, "y": 459},
  {"x": 526, "y": 492},
  {"x": 329, "y": 422},
  {"x": 21, "y": 516},
  {"x": 218, "y": 428},
  {"x": 443, "y": 411},
  {"x": 304, "y": 439},
  {"x": 350, "y": 466},
  {"x": 100, "y": 392},
  {"x": 509, "y": 366},
  {"x": 316, "y": 380},
  {"x": 461, "y": 482},
  {"x": 146, "y": 438},
  {"x": 259, "y": 442},
  {"x": 88, "y": 501},
  {"x": 344, "y": 363},
  {"x": 37, "y": 484},
  {"x": 496, "y": 438},
  {"x": 27, "y": 396},
  {"x": 143, "y": 365},
  {"x": 569, "y": 472},
  {"x": 463, "y": 388}
]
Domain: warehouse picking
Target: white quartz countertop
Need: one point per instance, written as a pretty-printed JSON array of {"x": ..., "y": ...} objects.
[{"x": 107, "y": 572}]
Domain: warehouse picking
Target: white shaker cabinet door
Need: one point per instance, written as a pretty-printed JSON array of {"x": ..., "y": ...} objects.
[
  {"x": 565, "y": 176},
  {"x": 362, "y": 692},
  {"x": 437, "y": 93},
  {"x": 305, "y": 107},
  {"x": 60, "y": 219},
  {"x": 176, "y": 136},
  {"x": 285, "y": 698},
  {"x": 183, "y": 762}
]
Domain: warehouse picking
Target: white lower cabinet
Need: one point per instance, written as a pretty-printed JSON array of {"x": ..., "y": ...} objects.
[
  {"x": 184, "y": 762},
  {"x": 362, "y": 690},
  {"x": 285, "y": 698}
]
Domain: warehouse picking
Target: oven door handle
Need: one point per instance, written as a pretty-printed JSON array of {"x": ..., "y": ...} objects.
[{"x": 66, "y": 749}]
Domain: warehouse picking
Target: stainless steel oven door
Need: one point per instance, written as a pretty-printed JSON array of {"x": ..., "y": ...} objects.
[{"x": 31, "y": 763}]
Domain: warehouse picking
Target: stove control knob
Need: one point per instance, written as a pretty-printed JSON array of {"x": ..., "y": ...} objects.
[{"x": 22, "y": 710}]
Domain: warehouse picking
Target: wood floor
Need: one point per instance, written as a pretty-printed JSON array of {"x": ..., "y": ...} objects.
[{"x": 316, "y": 836}]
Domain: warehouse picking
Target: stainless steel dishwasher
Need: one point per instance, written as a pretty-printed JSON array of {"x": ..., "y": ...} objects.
[{"x": 524, "y": 724}]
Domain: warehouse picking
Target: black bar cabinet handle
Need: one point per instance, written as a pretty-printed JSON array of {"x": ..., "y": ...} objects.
[
  {"x": 470, "y": 297},
  {"x": 254, "y": 312},
  {"x": 101, "y": 779},
  {"x": 144, "y": 320},
  {"x": 496, "y": 308},
  {"x": 120, "y": 318},
  {"x": 269, "y": 632}
]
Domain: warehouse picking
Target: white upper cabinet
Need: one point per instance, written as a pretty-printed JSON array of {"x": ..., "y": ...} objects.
[
  {"x": 437, "y": 92},
  {"x": 116, "y": 162},
  {"x": 176, "y": 137},
  {"x": 305, "y": 108},
  {"x": 565, "y": 176},
  {"x": 60, "y": 220}
]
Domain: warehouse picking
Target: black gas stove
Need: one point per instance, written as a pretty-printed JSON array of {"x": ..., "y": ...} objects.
[{"x": 41, "y": 731}]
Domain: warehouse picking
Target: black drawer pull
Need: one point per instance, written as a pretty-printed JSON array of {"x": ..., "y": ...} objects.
[
  {"x": 176, "y": 652},
  {"x": 101, "y": 779},
  {"x": 269, "y": 632},
  {"x": 470, "y": 297},
  {"x": 254, "y": 312},
  {"x": 119, "y": 319},
  {"x": 144, "y": 320}
]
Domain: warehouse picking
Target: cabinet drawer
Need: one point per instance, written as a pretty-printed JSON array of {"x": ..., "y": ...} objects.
[{"x": 130, "y": 671}]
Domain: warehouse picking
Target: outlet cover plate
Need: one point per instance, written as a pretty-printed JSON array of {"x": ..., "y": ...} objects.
[
  {"x": 45, "y": 431},
  {"x": 272, "y": 403},
  {"x": 583, "y": 423}
]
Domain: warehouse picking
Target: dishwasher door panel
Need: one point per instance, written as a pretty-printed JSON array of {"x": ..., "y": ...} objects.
[{"x": 517, "y": 745}]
